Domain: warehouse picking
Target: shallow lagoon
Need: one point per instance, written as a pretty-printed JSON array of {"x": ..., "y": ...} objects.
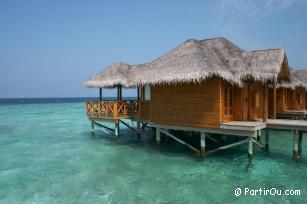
[{"x": 49, "y": 156}]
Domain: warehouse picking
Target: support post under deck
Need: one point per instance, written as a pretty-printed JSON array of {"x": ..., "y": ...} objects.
[
  {"x": 258, "y": 135},
  {"x": 267, "y": 140},
  {"x": 93, "y": 128},
  {"x": 116, "y": 132},
  {"x": 138, "y": 124},
  {"x": 250, "y": 152},
  {"x": 202, "y": 143},
  {"x": 300, "y": 143},
  {"x": 158, "y": 133},
  {"x": 295, "y": 146}
]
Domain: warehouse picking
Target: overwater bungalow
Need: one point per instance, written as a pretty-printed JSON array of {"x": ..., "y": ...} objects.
[
  {"x": 205, "y": 86},
  {"x": 291, "y": 96}
]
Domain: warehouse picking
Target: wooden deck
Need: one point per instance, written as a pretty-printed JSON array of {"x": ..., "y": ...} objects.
[
  {"x": 243, "y": 125},
  {"x": 293, "y": 114},
  {"x": 283, "y": 124}
]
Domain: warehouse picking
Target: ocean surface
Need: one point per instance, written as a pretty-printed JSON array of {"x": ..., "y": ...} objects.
[{"x": 48, "y": 155}]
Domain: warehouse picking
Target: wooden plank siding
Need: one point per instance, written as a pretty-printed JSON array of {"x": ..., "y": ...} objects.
[
  {"x": 288, "y": 99},
  {"x": 299, "y": 98},
  {"x": 256, "y": 96},
  {"x": 203, "y": 104},
  {"x": 187, "y": 104},
  {"x": 281, "y": 103},
  {"x": 145, "y": 111}
]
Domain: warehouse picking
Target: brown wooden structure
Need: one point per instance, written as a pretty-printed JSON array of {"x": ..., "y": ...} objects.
[{"x": 228, "y": 101}]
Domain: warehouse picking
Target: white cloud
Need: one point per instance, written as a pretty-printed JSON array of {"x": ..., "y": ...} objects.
[
  {"x": 238, "y": 19},
  {"x": 255, "y": 8}
]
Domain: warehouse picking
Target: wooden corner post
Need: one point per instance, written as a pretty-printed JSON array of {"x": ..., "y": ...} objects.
[
  {"x": 265, "y": 103},
  {"x": 100, "y": 94},
  {"x": 274, "y": 100}
]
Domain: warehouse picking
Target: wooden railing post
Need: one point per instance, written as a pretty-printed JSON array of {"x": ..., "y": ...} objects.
[
  {"x": 93, "y": 108},
  {"x": 99, "y": 107},
  {"x": 125, "y": 108},
  {"x": 115, "y": 111}
]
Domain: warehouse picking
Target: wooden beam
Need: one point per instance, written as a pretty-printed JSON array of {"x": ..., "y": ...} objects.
[
  {"x": 274, "y": 100},
  {"x": 178, "y": 140},
  {"x": 103, "y": 126},
  {"x": 227, "y": 146},
  {"x": 259, "y": 144},
  {"x": 131, "y": 128},
  {"x": 265, "y": 103},
  {"x": 211, "y": 138},
  {"x": 100, "y": 94},
  {"x": 119, "y": 92}
]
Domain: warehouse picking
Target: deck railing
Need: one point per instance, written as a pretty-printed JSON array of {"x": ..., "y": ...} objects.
[{"x": 112, "y": 109}]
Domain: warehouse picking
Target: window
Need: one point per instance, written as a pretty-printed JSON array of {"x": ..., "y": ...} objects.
[{"x": 147, "y": 93}]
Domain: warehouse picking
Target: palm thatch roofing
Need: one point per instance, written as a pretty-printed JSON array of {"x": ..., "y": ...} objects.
[
  {"x": 298, "y": 78},
  {"x": 195, "y": 61}
]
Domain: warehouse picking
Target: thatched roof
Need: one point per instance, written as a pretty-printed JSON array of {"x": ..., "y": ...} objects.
[
  {"x": 116, "y": 74},
  {"x": 197, "y": 60},
  {"x": 298, "y": 78},
  {"x": 301, "y": 74}
]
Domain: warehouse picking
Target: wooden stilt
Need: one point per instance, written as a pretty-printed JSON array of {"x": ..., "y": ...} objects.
[
  {"x": 116, "y": 132},
  {"x": 93, "y": 127},
  {"x": 295, "y": 146},
  {"x": 158, "y": 138},
  {"x": 300, "y": 143},
  {"x": 267, "y": 140},
  {"x": 258, "y": 135},
  {"x": 250, "y": 152},
  {"x": 202, "y": 143},
  {"x": 138, "y": 124}
]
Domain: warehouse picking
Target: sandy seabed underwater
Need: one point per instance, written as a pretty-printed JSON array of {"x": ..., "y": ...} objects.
[{"x": 48, "y": 155}]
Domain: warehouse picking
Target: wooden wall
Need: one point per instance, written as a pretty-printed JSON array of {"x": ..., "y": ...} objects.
[
  {"x": 145, "y": 111},
  {"x": 300, "y": 98},
  {"x": 202, "y": 105},
  {"x": 280, "y": 100},
  {"x": 256, "y": 105},
  {"x": 187, "y": 104},
  {"x": 288, "y": 99}
]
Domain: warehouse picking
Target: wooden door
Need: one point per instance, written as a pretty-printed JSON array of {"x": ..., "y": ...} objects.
[
  {"x": 254, "y": 102},
  {"x": 228, "y": 103}
]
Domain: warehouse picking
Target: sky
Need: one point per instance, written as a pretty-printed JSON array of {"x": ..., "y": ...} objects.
[{"x": 49, "y": 48}]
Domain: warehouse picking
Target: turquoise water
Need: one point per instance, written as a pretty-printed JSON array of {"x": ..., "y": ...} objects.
[{"x": 47, "y": 155}]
